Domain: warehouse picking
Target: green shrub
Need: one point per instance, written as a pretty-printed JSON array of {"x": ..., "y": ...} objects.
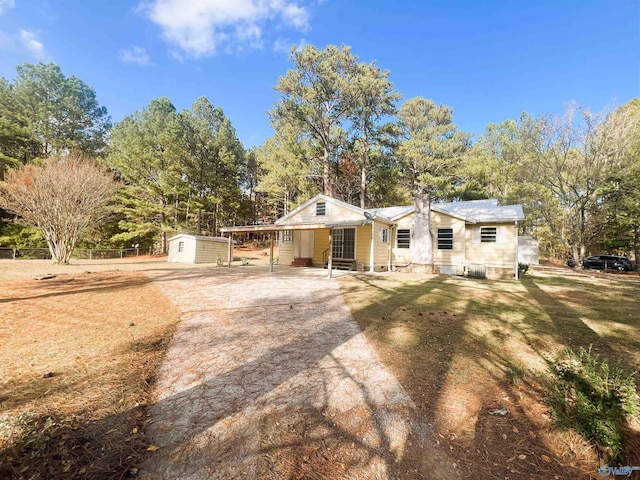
[{"x": 593, "y": 398}]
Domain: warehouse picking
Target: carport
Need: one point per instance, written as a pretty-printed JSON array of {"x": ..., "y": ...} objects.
[{"x": 272, "y": 229}]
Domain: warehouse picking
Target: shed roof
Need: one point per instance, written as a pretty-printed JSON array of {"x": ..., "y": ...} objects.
[{"x": 199, "y": 238}]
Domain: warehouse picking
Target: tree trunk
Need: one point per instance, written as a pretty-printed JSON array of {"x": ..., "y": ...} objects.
[
  {"x": 163, "y": 242},
  {"x": 421, "y": 241},
  {"x": 326, "y": 176},
  {"x": 363, "y": 172}
]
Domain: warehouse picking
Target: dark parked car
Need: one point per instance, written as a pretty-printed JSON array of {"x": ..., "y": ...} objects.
[{"x": 607, "y": 262}]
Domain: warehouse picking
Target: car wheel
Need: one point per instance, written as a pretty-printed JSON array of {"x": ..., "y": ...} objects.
[{"x": 622, "y": 269}]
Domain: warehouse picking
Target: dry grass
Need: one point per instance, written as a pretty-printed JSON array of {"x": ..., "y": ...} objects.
[
  {"x": 78, "y": 355},
  {"x": 463, "y": 348}
]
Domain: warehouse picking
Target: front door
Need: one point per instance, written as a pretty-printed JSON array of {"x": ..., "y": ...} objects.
[
  {"x": 303, "y": 244},
  {"x": 344, "y": 243}
]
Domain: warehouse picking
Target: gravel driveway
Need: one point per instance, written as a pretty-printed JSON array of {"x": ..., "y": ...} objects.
[{"x": 269, "y": 376}]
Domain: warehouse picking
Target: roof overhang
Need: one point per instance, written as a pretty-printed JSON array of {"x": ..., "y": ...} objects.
[{"x": 298, "y": 226}]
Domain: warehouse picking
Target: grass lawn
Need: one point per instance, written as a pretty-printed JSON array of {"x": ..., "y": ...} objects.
[
  {"x": 78, "y": 356},
  {"x": 463, "y": 348}
]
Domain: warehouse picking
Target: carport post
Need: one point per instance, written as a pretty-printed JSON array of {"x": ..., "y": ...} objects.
[
  {"x": 230, "y": 255},
  {"x": 330, "y": 252},
  {"x": 271, "y": 235}
]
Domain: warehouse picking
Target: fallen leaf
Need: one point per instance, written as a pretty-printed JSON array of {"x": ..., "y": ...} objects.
[
  {"x": 135, "y": 430},
  {"x": 515, "y": 430},
  {"x": 545, "y": 458},
  {"x": 522, "y": 457},
  {"x": 153, "y": 448}
]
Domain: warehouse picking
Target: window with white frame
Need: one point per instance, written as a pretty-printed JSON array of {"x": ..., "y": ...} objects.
[
  {"x": 403, "y": 238},
  {"x": 488, "y": 234},
  {"x": 384, "y": 235},
  {"x": 321, "y": 209},
  {"x": 287, "y": 236},
  {"x": 181, "y": 246},
  {"x": 445, "y": 239}
]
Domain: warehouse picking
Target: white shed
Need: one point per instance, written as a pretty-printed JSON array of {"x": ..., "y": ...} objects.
[{"x": 185, "y": 248}]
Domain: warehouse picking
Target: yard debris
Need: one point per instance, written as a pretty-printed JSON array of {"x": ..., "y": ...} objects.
[
  {"x": 499, "y": 411},
  {"x": 48, "y": 375},
  {"x": 45, "y": 277}
]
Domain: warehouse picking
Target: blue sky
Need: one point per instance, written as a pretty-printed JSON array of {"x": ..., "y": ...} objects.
[{"x": 488, "y": 60}]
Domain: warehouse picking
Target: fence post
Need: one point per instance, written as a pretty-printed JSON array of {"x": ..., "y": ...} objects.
[
  {"x": 90, "y": 254},
  {"x": 14, "y": 253},
  {"x": 120, "y": 253}
]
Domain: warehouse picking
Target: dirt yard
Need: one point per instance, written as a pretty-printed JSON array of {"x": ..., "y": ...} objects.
[
  {"x": 464, "y": 349},
  {"x": 79, "y": 354},
  {"x": 78, "y": 357}
]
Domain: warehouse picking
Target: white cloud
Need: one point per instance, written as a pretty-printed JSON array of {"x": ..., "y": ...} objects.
[
  {"x": 201, "y": 27},
  {"x": 4, "y": 4},
  {"x": 33, "y": 45},
  {"x": 134, "y": 55},
  {"x": 283, "y": 45}
]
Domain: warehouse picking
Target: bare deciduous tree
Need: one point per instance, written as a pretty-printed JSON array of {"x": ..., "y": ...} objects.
[{"x": 61, "y": 197}]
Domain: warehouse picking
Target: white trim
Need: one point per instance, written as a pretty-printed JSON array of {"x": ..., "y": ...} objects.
[
  {"x": 198, "y": 237},
  {"x": 372, "y": 256}
]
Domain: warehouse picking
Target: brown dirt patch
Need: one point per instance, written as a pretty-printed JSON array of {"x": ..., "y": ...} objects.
[{"x": 78, "y": 356}]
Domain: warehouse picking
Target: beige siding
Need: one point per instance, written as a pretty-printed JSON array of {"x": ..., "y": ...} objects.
[
  {"x": 363, "y": 247},
  {"x": 401, "y": 256},
  {"x": 187, "y": 255},
  {"x": 501, "y": 254},
  {"x": 208, "y": 251},
  {"x": 448, "y": 257},
  {"x": 285, "y": 253},
  {"x": 320, "y": 244},
  {"x": 334, "y": 213}
]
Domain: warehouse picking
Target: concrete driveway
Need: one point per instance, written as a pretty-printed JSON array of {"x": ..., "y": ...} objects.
[{"x": 269, "y": 376}]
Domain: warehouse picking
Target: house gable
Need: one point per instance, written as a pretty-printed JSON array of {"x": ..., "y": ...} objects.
[{"x": 326, "y": 210}]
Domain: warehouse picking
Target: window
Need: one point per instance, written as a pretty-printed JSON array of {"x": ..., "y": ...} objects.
[
  {"x": 488, "y": 234},
  {"x": 403, "y": 238},
  {"x": 321, "y": 209},
  {"x": 384, "y": 235},
  {"x": 287, "y": 236},
  {"x": 181, "y": 246},
  {"x": 445, "y": 239}
]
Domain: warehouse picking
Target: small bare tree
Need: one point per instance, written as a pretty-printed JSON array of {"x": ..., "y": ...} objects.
[{"x": 61, "y": 197}]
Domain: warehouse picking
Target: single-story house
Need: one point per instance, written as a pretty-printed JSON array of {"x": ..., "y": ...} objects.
[
  {"x": 475, "y": 237},
  {"x": 185, "y": 248}
]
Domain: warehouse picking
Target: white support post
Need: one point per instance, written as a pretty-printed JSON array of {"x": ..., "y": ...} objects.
[
  {"x": 230, "y": 254},
  {"x": 389, "y": 237},
  {"x": 271, "y": 235},
  {"x": 329, "y": 264},
  {"x": 372, "y": 255}
]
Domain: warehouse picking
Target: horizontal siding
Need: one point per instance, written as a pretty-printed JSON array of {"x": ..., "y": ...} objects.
[
  {"x": 209, "y": 252},
  {"x": 401, "y": 256},
  {"x": 320, "y": 244},
  {"x": 187, "y": 255},
  {"x": 363, "y": 247},
  {"x": 448, "y": 257},
  {"x": 285, "y": 253},
  {"x": 335, "y": 213},
  {"x": 501, "y": 255}
]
